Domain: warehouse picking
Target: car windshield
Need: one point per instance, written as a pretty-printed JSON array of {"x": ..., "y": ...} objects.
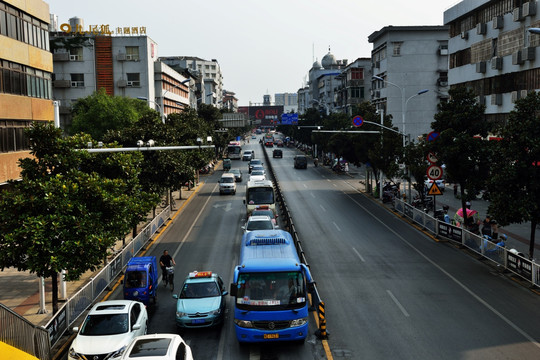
[
  {"x": 106, "y": 324},
  {"x": 235, "y": 171},
  {"x": 227, "y": 180},
  {"x": 259, "y": 225},
  {"x": 268, "y": 213},
  {"x": 255, "y": 162},
  {"x": 150, "y": 347},
  {"x": 195, "y": 290},
  {"x": 257, "y": 172}
]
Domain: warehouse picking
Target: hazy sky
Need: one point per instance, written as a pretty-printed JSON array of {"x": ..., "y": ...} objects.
[{"x": 263, "y": 47}]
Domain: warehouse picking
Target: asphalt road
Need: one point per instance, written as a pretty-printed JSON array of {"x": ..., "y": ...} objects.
[{"x": 392, "y": 292}]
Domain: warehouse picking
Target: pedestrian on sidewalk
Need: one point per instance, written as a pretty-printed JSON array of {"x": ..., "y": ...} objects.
[
  {"x": 455, "y": 190},
  {"x": 486, "y": 226}
]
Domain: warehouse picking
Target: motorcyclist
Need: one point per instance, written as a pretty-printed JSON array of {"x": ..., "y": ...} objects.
[{"x": 316, "y": 162}]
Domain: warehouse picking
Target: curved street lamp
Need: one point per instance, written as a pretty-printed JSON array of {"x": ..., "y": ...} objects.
[{"x": 159, "y": 106}]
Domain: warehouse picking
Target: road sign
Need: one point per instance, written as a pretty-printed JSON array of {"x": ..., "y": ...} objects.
[
  {"x": 433, "y": 136},
  {"x": 434, "y": 189},
  {"x": 289, "y": 119},
  {"x": 357, "y": 120},
  {"x": 434, "y": 172},
  {"x": 432, "y": 158}
]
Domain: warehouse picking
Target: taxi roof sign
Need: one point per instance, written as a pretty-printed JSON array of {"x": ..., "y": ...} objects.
[
  {"x": 200, "y": 274},
  {"x": 434, "y": 189}
]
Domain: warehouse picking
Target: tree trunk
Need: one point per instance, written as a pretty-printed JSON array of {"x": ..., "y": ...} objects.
[
  {"x": 134, "y": 233},
  {"x": 531, "y": 240},
  {"x": 54, "y": 280}
]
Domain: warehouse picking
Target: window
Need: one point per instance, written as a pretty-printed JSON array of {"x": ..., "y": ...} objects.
[
  {"x": 397, "y": 48},
  {"x": 357, "y": 74},
  {"x": 133, "y": 79},
  {"x": 77, "y": 80},
  {"x": 354, "y": 92},
  {"x": 132, "y": 53},
  {"x": 76, "y": 54}
]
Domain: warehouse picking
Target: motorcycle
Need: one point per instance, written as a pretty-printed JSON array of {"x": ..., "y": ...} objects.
[
  {"x": 390, "y": 192},
  {"x": 316, "y": 162},
  {"x": 426, "y": 203}
]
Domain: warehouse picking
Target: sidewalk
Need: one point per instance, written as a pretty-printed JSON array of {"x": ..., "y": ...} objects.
[
  {"x": 518, "y": 234},
  {"x": 19, "y": 290}
]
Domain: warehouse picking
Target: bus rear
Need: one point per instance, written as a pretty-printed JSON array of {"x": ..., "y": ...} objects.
[
  {"x": 270, "y": 289},
  {"x": 259, "y": 193}
]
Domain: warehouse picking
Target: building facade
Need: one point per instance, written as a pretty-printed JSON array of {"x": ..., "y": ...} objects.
[
  {"x": 289, "y": 101},
  {"x": 26, "y": 67},
  {"x": 493, "y": 52},
  {"x": 355, "y": 85},
  {"x": 406, "y": 61}
]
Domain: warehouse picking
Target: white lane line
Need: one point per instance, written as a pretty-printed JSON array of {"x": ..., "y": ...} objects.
[
  {"x": 254, "y": 353},
  {"x": 305, "y": 185},
  {"x": 334, "y": 184},
  {"x": 450, "y": 276},
  {"x": 337, "y": 227},
  {"x": 322, "y": 207},
  {"x": 312, "y": 195},
  {"x": 360, "y": 256},
  {"x": 398, "y": 303},
  {"x": 328, "y": 180}
]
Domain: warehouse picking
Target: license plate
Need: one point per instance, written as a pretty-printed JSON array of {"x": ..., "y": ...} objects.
[
  {"x": 271, "y": 336},
  {"x": 197, "y": 321}
]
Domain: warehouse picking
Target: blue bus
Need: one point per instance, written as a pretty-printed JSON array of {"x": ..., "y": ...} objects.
[{"x": 270, "y": 289}]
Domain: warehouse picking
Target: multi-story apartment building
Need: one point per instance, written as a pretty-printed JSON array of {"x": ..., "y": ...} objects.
[
  {"x": 355, "y": 85},
  {"x": 493, "y": 52},
  {"x": 288, "y": 100},
  {"x": 208, "y": 73},
  {"x": 122, "y": 65},
  {"x": 406, "y": 61},
  {"x": 25, "y": 83},
  {"x": 230, "y": 102}
]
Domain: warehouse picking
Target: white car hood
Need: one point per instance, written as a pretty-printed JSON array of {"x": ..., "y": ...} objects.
[{"x": 101, "y": 344}]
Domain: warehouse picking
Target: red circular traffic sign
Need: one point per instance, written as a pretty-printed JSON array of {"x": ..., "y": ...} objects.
[
  {"x": 432, "y": 158},
  {"x": 434, "y": 172},
  {"x": 357, "y": 120}
]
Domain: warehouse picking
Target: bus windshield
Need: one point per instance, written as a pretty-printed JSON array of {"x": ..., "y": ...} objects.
[
  {"x": 271, "y": 291},
  {"x": 260, "y": 195},
  {"x": 234, "y": 150}
]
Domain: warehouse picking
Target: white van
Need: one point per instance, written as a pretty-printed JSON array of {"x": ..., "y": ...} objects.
[{"x": 227, "y": 184}]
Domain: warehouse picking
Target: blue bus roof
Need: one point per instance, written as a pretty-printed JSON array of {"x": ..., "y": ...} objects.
[{"x": 268, "y": 250}]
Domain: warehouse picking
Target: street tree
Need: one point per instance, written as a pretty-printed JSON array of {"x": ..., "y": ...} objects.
[
  {"x": 460, "y": 122},
  {"x": 66, "y": 212},
  {"x": 99, "y": 112},
  {"x": 514, "y": 184}
]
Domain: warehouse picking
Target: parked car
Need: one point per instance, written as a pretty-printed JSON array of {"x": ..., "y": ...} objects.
[
  {"x": 107, "y": 329},
  {"x": 258, "y": 222},
  {"x": 201, "y": 301},
  {"x": 158, "y": 347},
  {"x": 227, "y": 184},
  {"x": 277, "y": 153},
  {"x": 237, "y": 174},
  {"x": 300, "y": 162}
]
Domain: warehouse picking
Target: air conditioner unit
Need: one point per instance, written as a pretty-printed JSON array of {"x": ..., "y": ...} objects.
[
  {"x": 528, "y": 9},
  {"x": 516, "y": 58},
  {"x": 443, "y": 51},
  {"x": 514, "y": 96},
  {"x": 498, "y": 22},
  {"x": 517, "y": 14},
  {"x": 496, "y": 99},
  {"x": 73, "y": 84},
  {"x": 528, "y": 53},
  {"x": 122, "y": 83},
  {"x": 129, "y": 83},
  {"x": 496, "y": 63},
  {"x": 129, "y": 57},
  {"x": 73, "y": 57},
  {"x": 464, "y": 35},
  {"x": 481, "y": 29},
  {"x": 121, "y": 57},
  {"x": 523, "y": 93},
  {"x": 481, "y": 67}
]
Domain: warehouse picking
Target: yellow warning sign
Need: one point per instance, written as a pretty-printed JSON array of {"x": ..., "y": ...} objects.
[{"x": 434, "y": 189}]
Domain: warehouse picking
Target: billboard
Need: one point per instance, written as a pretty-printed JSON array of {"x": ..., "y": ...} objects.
[{"x": 266, "y": 115}]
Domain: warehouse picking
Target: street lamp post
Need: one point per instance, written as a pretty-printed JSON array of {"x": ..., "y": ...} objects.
[
  {"x": 404, "y": 104},
  {"x": 159, "y": 106}
]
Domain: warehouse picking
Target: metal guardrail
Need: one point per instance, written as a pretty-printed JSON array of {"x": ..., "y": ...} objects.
[
  {"x": 76, "y": 305},
  {"x": 287, "y": 218},
  {"x": 510, "y": 259},
  {"x": 23, "y": 335}
]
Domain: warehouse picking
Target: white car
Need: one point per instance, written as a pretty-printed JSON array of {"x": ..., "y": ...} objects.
[
  {"x": 440, "y": 183},
  {"x": 158, "y": 347},
  {"x": 247, "y": 155},
  {"x": 107, "y": 330},
  {"x": 259, "y": 222},
  {"x": 257, "y": 175}
]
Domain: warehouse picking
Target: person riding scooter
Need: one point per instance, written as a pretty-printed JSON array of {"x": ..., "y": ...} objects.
[{"x": 316, "y": 162}]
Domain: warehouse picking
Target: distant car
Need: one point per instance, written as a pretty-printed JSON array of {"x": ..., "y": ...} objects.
[
  {"x": 253, "y": 137},
  {"x": 440, "y": 183},
  {"x": 254, "y": 162},
  {"x": 279, "y": 143},
  {"x": 227, "y": 184},
  {"x": 248, "y": 154},
  {"x": 237, "y": 174},
  {"x": 201, "y": 301},
  {"x": 258, "y": 222},
  {"x": 300, "y": 162},
  {"x": 266, "y": 211},
  {"x": 158, "y": 347},
  {"x": 257, "y": 175},
  {"x": 108, "y": 328},
  {"x": 277, "y": 153}
]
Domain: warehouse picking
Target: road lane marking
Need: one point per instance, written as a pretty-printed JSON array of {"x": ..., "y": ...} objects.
[
  {"x": 305, "y": 185},
  {"x": 450, "y": 276},
  {"x": 322, "y": 207},
  {"x": 312, "y": 195},
  {"x": 328, "y": 180},
  {"x": 334, "y": 184},
  {"x": 337, "y": 227},
  {"x": 360, "y": 256},
  {"x": 398, "y": 303}
]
